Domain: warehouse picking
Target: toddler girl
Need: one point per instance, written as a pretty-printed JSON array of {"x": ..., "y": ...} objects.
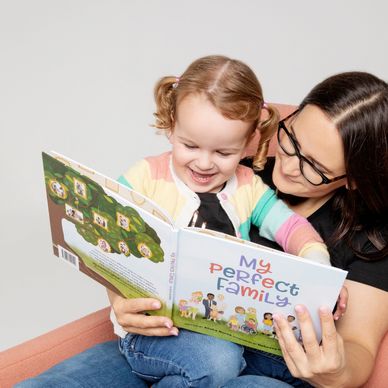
[{"x": 209, "y": 115}]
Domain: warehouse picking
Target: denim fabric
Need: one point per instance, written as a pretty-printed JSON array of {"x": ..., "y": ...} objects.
[
  {"x": 98, "y": 367},
  {"x": 188, "y": 360},
  {"x": 261, "y": 363},
  {"x": 255, "y": 382}
]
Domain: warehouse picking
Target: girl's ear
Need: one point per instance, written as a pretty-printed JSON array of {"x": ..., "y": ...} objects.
[{"x": 170, "y": 135}]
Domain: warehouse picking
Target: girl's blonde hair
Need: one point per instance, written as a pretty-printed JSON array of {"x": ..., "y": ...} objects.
[{"x": 233, "y": 89}]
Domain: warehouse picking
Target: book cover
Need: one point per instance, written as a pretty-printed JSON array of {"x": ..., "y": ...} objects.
[{"x": 207, "y": 281}]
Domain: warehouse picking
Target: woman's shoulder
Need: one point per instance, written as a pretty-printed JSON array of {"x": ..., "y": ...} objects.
[{"x": 366, "y": 271}]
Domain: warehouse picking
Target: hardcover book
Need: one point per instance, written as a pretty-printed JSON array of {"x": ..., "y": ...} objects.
[{"x": 207, "y": 281}]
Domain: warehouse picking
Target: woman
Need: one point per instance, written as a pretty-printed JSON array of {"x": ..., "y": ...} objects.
[
  {"x": 332, "y": 166},
  {"x": 333, "y": 160}
]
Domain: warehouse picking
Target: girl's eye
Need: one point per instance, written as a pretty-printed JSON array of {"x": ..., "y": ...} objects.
[
  {"x": 190, "y": 147},
  {"x": 224, "y": 153}
]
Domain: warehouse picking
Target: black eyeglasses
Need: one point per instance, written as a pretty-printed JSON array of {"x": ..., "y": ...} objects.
[{"x": 289, "y": 145}]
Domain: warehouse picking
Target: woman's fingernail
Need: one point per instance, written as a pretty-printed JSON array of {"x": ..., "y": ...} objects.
[
  {"x": 299, "y": 309},
  {"x": 168, "y": 325},
  {"x": 155, "y": 305},
  {"x": 174, "y": 331},
  {"x": 325, "y": 310}
]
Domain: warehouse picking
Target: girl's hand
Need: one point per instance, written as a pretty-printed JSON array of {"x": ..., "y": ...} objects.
[
  {"x": 130, "y": 316},
  {"x": 320, "y": 364},
  {"x": 342, "y": 303}
]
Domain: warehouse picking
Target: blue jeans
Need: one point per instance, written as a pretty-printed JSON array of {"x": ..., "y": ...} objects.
[
  {"x": 265, "y": 370},
  {"x": 188, "y": 360},
  {"x": 99, "y": 367}
]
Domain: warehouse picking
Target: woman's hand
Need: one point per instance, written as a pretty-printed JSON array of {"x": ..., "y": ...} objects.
[
  {"x": 320, "y": 364},
  {"x": 130, "y": 315}
]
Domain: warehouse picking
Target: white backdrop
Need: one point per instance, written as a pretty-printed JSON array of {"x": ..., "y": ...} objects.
[{"x": 77, "y": 76}]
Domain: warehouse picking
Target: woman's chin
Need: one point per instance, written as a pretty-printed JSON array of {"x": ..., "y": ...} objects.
[{"x": 283, "y": 184}]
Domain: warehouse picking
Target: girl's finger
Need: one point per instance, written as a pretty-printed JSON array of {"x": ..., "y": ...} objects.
[
  {"x": 141, "y": 321},
  {"x": 138, "y": 305},
  {"x": 159, "y": 332}
]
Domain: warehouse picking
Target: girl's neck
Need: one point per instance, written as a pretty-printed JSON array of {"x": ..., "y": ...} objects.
[{"x": 309, "y": 206}]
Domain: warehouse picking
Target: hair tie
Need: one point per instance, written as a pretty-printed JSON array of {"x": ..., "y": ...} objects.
[{"x": 176, "y": 83}]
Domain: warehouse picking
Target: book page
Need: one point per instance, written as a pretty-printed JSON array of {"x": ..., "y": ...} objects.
[{"x": 231, "y": 289}]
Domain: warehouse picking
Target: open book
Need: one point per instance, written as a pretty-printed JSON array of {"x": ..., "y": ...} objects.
[{"x": 207, "y": 281}]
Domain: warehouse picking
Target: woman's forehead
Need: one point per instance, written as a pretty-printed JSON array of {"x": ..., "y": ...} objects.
[{"x": 318, "y": 137}]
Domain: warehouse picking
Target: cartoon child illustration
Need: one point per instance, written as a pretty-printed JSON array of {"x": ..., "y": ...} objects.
[
  {"x": 183, "y": 308},
  {"x": 251, "y": 313},
  {"x": 240, "y": 315},
  {"x": 208, "y": 304},
  {"x": 250, "y": 326},
  {"x": 195, "y": 299},
  {"x": 267, "y": 324},
  {"x": 233, "y": 323}
]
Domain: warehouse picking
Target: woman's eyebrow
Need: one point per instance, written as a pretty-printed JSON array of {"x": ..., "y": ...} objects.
[{"x": 310, "y": 158}]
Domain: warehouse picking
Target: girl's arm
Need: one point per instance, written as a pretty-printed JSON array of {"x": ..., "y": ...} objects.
[
  {"x": 130, "y": 315},
  {"x": 347, "y": 354},
  {"x": 277, "y": 222}
]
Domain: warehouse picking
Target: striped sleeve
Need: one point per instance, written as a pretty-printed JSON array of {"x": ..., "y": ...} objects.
[
  {"x": 292, "y": 232},
  {"x": 136, "y": 177}
]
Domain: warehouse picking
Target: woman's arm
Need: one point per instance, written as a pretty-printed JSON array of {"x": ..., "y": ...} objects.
[
  {"x": 129, "y": 314},
  {"x": 346, "y": 356}
]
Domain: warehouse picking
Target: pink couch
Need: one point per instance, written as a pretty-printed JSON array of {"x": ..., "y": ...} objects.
[{"x": 35, "y": 356}]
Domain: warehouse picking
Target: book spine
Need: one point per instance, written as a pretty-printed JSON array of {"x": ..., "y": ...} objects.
[{"x": 173, "y": 267}]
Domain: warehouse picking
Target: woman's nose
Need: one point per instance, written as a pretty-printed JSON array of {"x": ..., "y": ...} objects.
[{"x": 290, "y": 165}]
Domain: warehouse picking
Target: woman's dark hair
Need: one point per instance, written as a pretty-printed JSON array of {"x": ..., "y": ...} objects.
[{"x": 357, "y": 103}]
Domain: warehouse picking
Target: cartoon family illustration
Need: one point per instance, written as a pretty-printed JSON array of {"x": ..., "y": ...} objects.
[
  {"x": 214, "y": 307},
  {"x": 242, "y": 320}
]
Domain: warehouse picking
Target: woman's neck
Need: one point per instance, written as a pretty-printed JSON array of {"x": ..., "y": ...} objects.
[{"x": 309, "y": 206}]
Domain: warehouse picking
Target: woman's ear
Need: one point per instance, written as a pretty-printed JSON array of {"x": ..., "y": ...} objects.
[{"x": 350, "y": 185}]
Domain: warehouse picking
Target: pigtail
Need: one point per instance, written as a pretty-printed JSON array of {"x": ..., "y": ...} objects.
[
  {"x": 267, "y": 129},
  {"x": 165, "y": 99}
]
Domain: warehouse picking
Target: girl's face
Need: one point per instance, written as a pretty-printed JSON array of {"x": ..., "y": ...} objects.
[
  {"x": 206, "y": 146},
  {"x": 320, "y": 142}
]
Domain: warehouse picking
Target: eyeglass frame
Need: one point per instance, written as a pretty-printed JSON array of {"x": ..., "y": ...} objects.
[{"x": 325, "y": 179}]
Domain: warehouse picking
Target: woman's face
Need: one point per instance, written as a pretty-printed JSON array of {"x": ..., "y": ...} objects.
[{"x": 320, "y": 142}]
